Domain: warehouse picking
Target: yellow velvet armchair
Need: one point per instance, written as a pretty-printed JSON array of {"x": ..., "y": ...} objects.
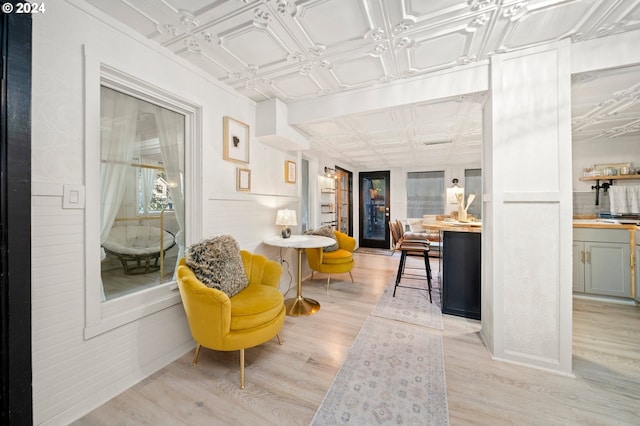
[
  {"x": 333, "y": 262},
  {"x": 251, "y": 317}
]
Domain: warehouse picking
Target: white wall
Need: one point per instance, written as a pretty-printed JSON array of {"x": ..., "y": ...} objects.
[
  {"x": 71, "y": 374},
  {"x": 604, "y": 151}
]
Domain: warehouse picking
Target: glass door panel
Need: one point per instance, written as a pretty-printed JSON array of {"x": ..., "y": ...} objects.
[
  {"x": 344, "y": 199},
  {"x": 374, "y": 209}
]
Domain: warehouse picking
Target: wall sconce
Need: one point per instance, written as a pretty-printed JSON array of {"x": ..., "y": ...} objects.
[
  {"x": 330, "y": 173},
  {"x": 452, "y": 194},
  {"x": 286, "y": 218}
]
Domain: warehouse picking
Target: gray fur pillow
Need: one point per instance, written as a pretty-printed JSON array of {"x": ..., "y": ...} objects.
[
  {"x": 218, "y": 264},
  {"x": 325, "y": 231}
]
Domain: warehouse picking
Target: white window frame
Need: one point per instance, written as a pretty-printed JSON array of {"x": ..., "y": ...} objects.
[{"x": 102, "y": 316}]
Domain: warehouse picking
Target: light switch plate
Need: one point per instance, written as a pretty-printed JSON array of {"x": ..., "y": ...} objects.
[{"x": 73, "y": 197}]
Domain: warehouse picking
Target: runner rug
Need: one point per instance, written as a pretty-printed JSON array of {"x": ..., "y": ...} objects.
[
  {"x": 410, "y": 305},
  {"x": 378, "y": 251},
  {"x": 393, "y": 374}
]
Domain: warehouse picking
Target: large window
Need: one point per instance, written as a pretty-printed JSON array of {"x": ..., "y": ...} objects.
[
  {"x": 143, "y": 156},
  {"x": 425, "y": 193},
  {"x": 142, "y": 192}
]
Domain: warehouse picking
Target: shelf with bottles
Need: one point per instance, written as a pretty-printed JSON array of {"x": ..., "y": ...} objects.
[{"x": 327, "y": 208}]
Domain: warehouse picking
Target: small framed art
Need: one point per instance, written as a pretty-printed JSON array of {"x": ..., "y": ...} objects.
[
  {"x": 243, "y": 179},
  {"x": 290, "y": 171},
  {"x": 236, "y": 140}
]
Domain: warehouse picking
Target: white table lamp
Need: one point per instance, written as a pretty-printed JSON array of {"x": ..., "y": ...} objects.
[{"x": 286, "y": 218}]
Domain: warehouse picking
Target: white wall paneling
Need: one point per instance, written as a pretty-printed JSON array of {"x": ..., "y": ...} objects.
[
  {"x": 529, "y": 233},
  {"x": 73, "y": 374}
]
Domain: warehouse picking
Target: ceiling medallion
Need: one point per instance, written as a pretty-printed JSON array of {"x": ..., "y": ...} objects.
[
  {"x": 284, "y": 6},
  {"x": 306, "y": 68},
  {"x": 576, "y": 37},
  {"x": 252, "y": 69},
  {"x": 478, "y": 22},
  {"x": 480, "y": 4},
  {"x": 261, "y": 17},
  {"x": 316, "y": 50},
  {"x": 403, "y": 26},
  {"x": 174, "y": 31},
  {"x": 188, "y": 20},
  {"x": 405, "y": 42},
  {"x": 381, "y": 48},
  {"x": 377, "y": 34},
  {"x": 516, "y": 11},
  {"x": 192, "y": 44},
  {"x": 465, "y": 60},
  {"x": 208, "y": 37},
  {"x": 604, "y": 31}
]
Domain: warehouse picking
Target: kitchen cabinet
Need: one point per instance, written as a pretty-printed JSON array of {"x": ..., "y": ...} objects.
[
  {"x": 601, "y": 262},
  {"x": 461, "y": 280}
]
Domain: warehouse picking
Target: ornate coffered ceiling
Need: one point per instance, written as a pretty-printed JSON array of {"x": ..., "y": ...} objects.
[{"x": 299, "y": 50}]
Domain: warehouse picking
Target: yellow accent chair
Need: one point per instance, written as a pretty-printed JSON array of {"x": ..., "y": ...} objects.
[
  {"x": 333, "y": 262},
  {"x": 251, "y": 317}
]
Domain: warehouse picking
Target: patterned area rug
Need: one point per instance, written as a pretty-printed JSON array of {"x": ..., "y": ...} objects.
[
  {"x": 378, "y": 251},
  {"x": 410, "y": 305},
  {"x": 393, "y": 374}
]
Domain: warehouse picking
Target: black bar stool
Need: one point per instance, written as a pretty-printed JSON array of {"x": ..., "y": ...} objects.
[{"x": 410, "y": 245}]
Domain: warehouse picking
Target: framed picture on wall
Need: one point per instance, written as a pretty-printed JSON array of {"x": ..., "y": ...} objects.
[
  {"x": 235, "y": 140},
  {"x": 290, "y": 171},
  {"x": 243, "y": 179}
]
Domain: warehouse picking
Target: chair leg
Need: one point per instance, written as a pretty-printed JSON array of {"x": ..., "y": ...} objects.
[
  {"x": 195, "y": 357},
  {"x": 279, "y": 340},
  {"x": 311, "y": 275},
  {"x": 328, "y": 281},
  {"x": 403, "y": 258},
  {"x": 242, "y": 369},
  {"x": 351, "y": 276},
  {"x": 427, "y": 268}
]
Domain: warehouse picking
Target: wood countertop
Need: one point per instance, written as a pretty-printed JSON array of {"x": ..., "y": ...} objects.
[
  {"x": 603, "y": 225},
  {"x": 452, "y": 226},
  {"x": 577, "y": 223}
]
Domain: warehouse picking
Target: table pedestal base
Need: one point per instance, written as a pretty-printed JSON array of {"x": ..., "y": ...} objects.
[{"x": 300, "y": 306}]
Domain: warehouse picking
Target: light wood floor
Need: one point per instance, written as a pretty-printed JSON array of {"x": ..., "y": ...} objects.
[{"x": 285, "y": 384}]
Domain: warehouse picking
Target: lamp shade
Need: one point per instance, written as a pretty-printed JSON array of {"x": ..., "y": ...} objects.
[{"x": 286, "y": 217}]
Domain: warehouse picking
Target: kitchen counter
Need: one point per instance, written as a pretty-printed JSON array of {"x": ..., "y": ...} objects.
[
  {"x": 596, "y": 223},
  {"x": 454, "y": 226}
]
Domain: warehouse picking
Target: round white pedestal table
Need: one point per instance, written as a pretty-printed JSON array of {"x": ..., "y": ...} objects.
[{"x": 299, "y": 305}]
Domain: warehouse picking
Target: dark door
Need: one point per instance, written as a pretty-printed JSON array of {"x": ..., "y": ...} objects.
[
  {"x": 15, "y": 220},
  {"x": 374, "y": 209}
]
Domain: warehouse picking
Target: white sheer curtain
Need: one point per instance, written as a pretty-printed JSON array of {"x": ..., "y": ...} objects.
[
  {"x": 148, "y": 177},
  {"x": 118, "y": 117},
  {"x": 171, "y": 134}
]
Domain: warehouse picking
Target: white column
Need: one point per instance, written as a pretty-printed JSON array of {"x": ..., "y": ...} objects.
[{"x": 527, "y": 299}]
